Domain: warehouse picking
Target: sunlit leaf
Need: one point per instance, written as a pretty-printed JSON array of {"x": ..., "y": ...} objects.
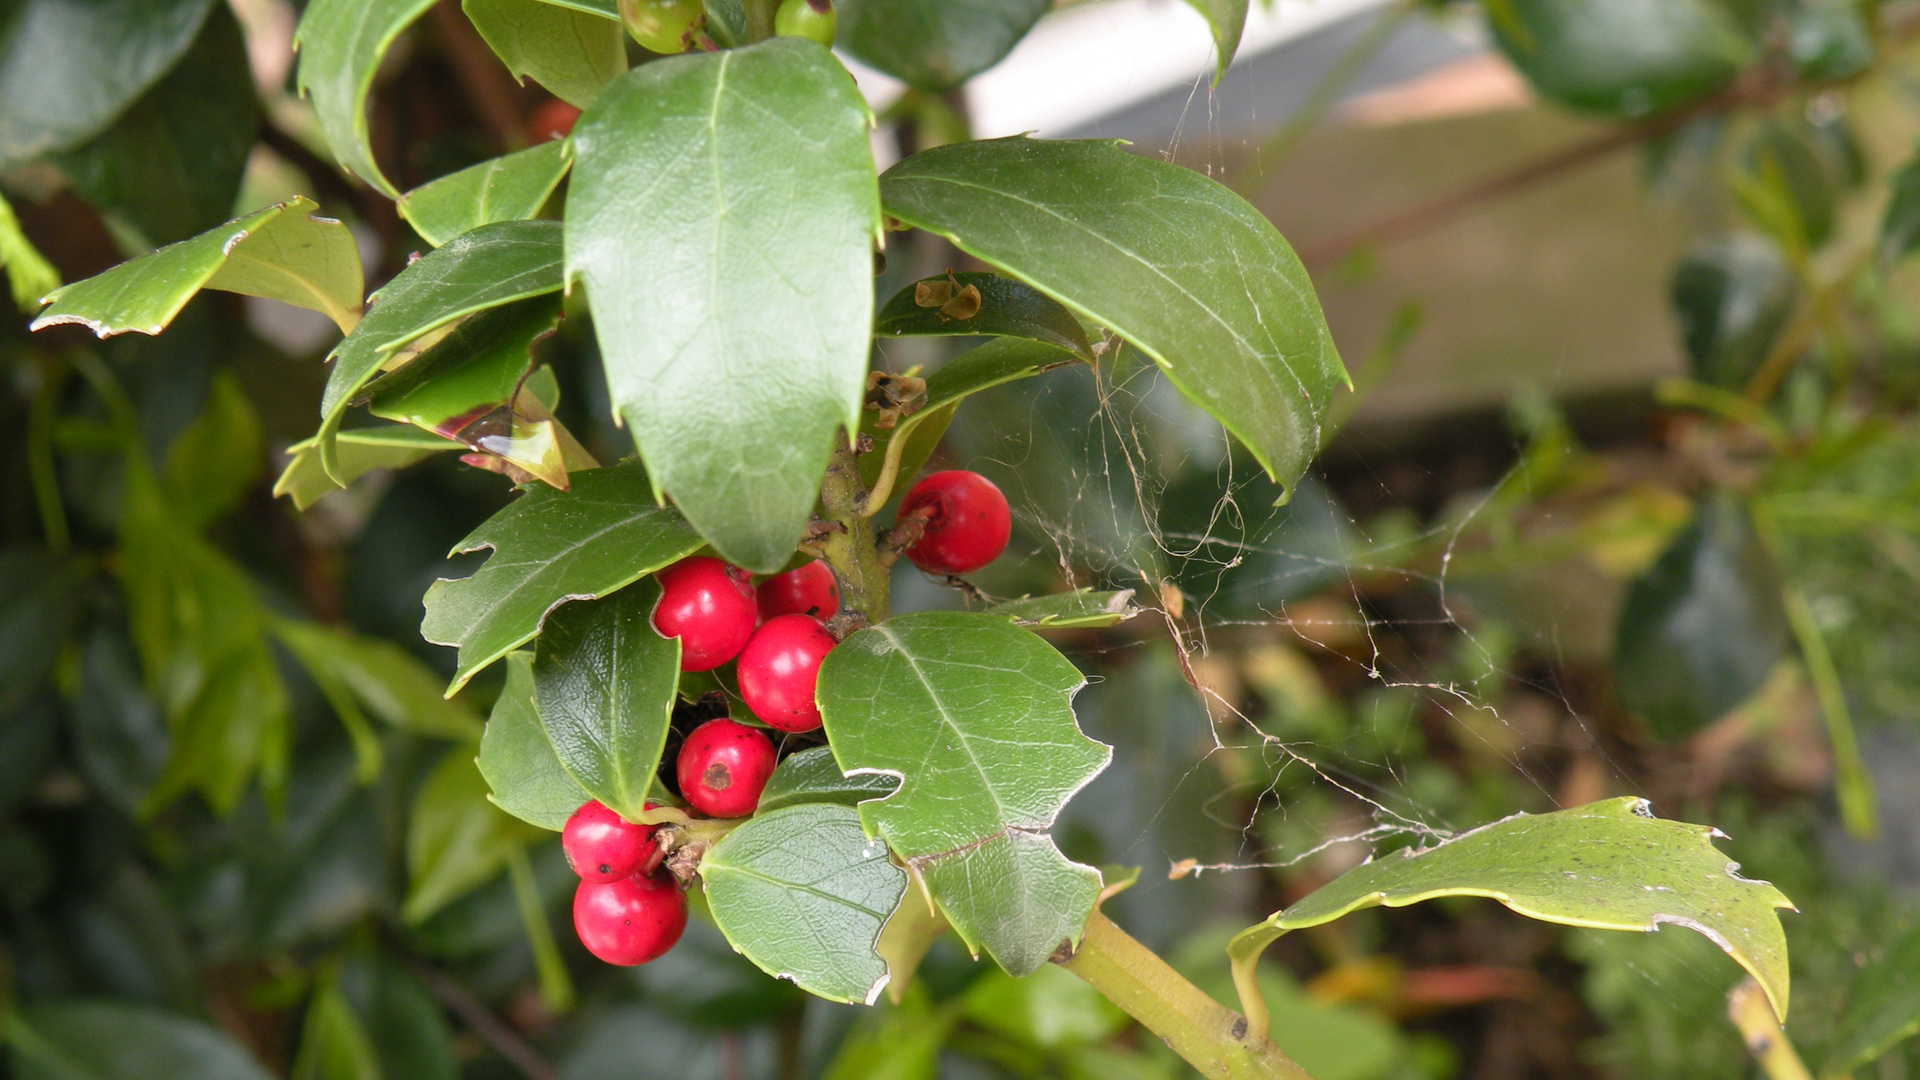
[
  {"x": 1227, "y": 19},
  {"x": 1610, "y": 865},
  {"x": 1080, "y": 607},
  {"x": 284, "y": 252},
  {"x": 1171, "y": 261},
  {"x": 359, "y": 452},
  {"x": 605, "y": 684},
  {"x": 802, "y": 892},
  {"x": 722, "y": 215},
  {"x": 550, "y": 547},
  {"x": 902, "y": 698},
  {"x": 341, "y": 44},
  {"x": 571, "y": 53},
  {"x": 508, "y": 188}
]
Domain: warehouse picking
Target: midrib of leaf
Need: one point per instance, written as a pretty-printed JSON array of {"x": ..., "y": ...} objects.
[
  {"x": 342, "y": 317},
  {"x": 805, "y": 888},
  {"x": 947, "y": 719},
  {"x": 1116, "y": 246}
]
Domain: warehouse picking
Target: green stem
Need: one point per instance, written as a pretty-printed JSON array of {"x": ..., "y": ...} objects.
[
  {"x": 1747, "y": 1007},
  {"x": 760, "y": 19},
  {"x": 1212, "y": 1037},
  {"x": 851, "y": 547},
  {"x": 556, "y": 986},
  {"x": 1853, "y": 784}
]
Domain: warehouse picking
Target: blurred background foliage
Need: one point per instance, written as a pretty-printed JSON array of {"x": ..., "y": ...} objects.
[{"x": 1552, "y": 556}]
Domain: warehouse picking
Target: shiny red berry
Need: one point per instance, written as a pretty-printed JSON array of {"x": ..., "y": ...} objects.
[
  {"x": 553, "y": 119},
  {"x": 804, "y": 590},
  {"x": 723, "y": 767},
  {"x": 709, "y": 606},
  {"x": 602, "y": 846},
  {"x": 968, "y": 522},
  {"x": 629, "y": 921},
  {"x": 779, "y": 669}
]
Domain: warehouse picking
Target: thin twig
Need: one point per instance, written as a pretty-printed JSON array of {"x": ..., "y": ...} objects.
[{"x": 492, "y": 1030}]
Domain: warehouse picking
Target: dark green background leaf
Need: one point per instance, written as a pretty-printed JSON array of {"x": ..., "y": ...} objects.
[
  {"x": 341, "y": 44},
  {"x": 1732, "y": 296},
  {"x": 1883, "y": 1010},
  {"x": 1623, "y": 57},
  {"x": 110, "y": 1040},
  {"x": 734, "y": 347},
  {"x": 1175, "y": 263},
  {"x": 934, "y": 45}
]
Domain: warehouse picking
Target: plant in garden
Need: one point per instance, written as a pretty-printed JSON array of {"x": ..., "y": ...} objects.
[{"x": 719, "y": 227}]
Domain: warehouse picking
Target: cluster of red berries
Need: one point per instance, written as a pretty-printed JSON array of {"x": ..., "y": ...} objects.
[{"x": 627, "y": 909}]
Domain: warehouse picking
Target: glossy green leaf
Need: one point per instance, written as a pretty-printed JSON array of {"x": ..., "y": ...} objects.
[
  {"x": 812, "y": 776},
  {"x": 1624, "y": 57},
  {"x": 1080, "y": 607},
  {"x": 550, "y": 547},
  {"x": 1732, "y": 297},
  {"x": 571, "y": 53},
  {"x": 1610, "y": 865},
  {"x": 1171, "y": 261},
  {"x": 213, "y": 463},
  {"x": 40, "y": 599},
  {"x": 492, "y": 265},
  {"x": 973, "y": 714},
  {"x": 722, "y": 215},
  {"x": 1699, "y": 632},
  {"x": 456, "y": 839},
  {"x": 1883, "y": 1009},
  {"x": 518, "y": 760},
  {"x": 1002, "y": 307},
  {"x": 1227, "y": 19},
  {"x": 68, "y": 68},
  {"x": 803, "y": 893},
  {"x": 341, "y": 44},
  {"x": 934, "y": 45},
  {"x": 478, "y": 367},
  {"x": 170, "y": 166},
  {"x": 359, "y": 452},
  {"x": 913, "y": 438},
  {"x": 283, "y": 252},
  {"x": 605, "y": 684},
  {"x": 509, "y": 188},
  {"x": 63, "y": 1040}
]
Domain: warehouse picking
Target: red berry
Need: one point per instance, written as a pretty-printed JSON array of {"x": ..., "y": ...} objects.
[
  {"x": 629, "y": 921},
  {"x": 804, "y": 590},
  {"x": 552, "y": 119},
  {"x": 723, "y": 767},
  {"x": 967, "y": 522},
  {"x": 780, "y": 667},
  {"x": 709, "y": 606},
  {"x": 602, "y": 846}
]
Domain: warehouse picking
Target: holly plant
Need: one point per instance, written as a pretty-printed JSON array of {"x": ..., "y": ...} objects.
[{"x": 848, "y": 783}]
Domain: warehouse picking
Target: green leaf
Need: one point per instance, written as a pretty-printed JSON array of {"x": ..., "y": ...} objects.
[
  {"x": 341, "y": 44},
  {"x": 550, "y": 547},
  {"x": 914, "y": 437},
  {"x": 68, "y": 68},
  {"x": 1699, "y": 632},
  {"x": 733, "y": 348},
  {"x": 803, "y": 893},
  {"x": 1609, "y": 865},
  {"x": 571, "y": 53},
  {"x": 904, "y": 942},
  {"x": 898, "y": 1043},
  {"x": 934, "y": 45},
  {"x": 726, "y": 22},
  {"x": 518, "y": 759},
  {"x": 605, "y": 683},
  {"x": 1625, "y": 57},
  {"x": 1049, "y": 1009},
  {"x": 334, "y": 1045},
  {"x": 1830, "y": 39},
  {"x": 973, "y": 714},
  {"x": 1081, "y": 607},
  {"x": 812, "y": 776},
  {"x": 29, "y": 275},
  {"x": 360, "y": 451},
  {"x": 63, "y": 1040},
  {"x": 1900, "y": 228},
  {"x": 1732, "y": 296},
  {"x": 213, "y": 463},
  {"x": 509, "y": 188},
  {"x": 401, "y": 1017},
  {"x": 388, "y": 680},
  {"x": 40, "y": 599},
  {"x": 1173, "y": 262},
  {"x": 456, "y": 839},
  {"x": 478, "y": 367},
  {"x": 1227, "y": 19},
  {"x": 1003, "y": 308},
  {"x": 171, "y": 165},
  {"x": 283, "y": 252},
  {"x": 1883, "y": 1010}
]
